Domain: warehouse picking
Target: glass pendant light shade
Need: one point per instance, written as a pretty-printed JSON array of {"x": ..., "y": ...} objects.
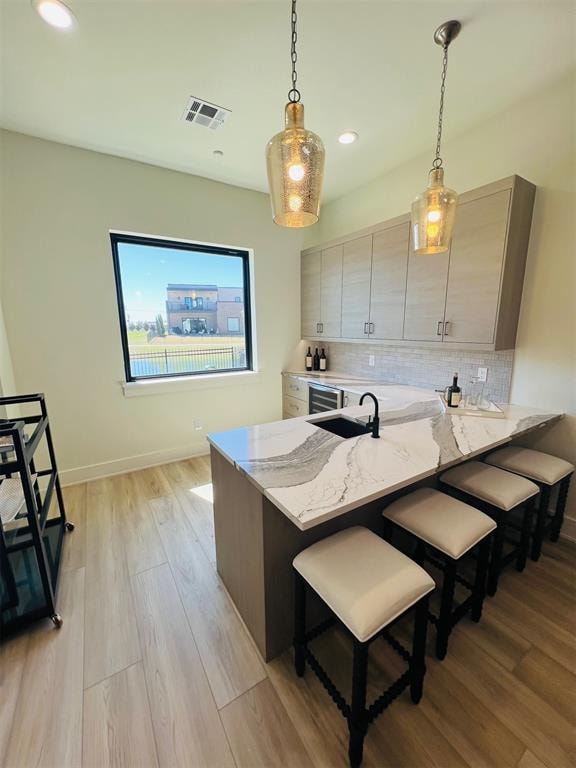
[
  {"x": 295, "y": 164},
  {"x": 433, "y": 215}
]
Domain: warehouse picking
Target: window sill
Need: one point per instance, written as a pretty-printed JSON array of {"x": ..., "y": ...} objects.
[{"x": 184, "y": 383}]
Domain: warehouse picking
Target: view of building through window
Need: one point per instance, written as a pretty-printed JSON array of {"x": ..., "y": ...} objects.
[{"x": 184, "y": 309}]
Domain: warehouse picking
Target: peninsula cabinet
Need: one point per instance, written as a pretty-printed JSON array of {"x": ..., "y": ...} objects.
[
  {"x": 321, "y": 293},
  {"x": 468, "y": 297}
]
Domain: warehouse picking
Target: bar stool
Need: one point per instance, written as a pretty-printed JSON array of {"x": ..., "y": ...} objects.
[
  {"x": 547, "y": 472},
  {"x": 445, "y": 530},
  {"x": 368, "y": 585},
  {"x": 500, "y": 495}
]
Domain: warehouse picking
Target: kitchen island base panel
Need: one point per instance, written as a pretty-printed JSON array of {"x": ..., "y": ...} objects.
[{"x": 255, "y": 546}]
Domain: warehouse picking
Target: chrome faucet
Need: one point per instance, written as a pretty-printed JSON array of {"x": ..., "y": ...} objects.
[{"x": 374, "y": 423}]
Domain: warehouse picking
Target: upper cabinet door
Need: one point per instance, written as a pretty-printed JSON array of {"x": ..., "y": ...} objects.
[
  {"x": 388, "y": 291},
  {"x": 310, "y": 276},
  {"x": 476, "y": 260},
  {"x": 425, "y": 297},
  {"x": 357, "y": 270},
  {"x": 331, "y": 292}
]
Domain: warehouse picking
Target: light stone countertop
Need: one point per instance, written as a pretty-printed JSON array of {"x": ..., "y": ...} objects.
[{"x": 313, "y": 475}]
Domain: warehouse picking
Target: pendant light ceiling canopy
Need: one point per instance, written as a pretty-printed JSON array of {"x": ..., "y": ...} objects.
[
  {"x": 295, "y": 160},
  {"x": 434, "y": 211}
]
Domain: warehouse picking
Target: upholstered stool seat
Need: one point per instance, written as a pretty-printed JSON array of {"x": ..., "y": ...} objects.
[
  {"x": 440, "y": 520},
  {"x": 446, "y": 529},
  {"x": 367, "y": 584},
  {"x": 499, "y": 488},
  {"x": 499, "y": 494},
  {"x": 538, "y": 466},
  {"x": 547, "y": 471},
  {"x": 363, "y": 579}
]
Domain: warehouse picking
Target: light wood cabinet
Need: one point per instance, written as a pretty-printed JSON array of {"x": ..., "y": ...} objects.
[
  {"x": 331, "y": 292},
  {"x": 388, "y": 284},
  {"x": 468, "y": 297},
  {"x": 475, "y": 270},
  {"x": 356, "y": 275},
  {"x": 321, "y": 293},
  {"x": 310, "y": 276},
  {"x": 425, "y": 297}
]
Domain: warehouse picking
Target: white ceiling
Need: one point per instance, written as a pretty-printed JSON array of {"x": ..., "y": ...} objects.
[{"x": 120, "y": 81}]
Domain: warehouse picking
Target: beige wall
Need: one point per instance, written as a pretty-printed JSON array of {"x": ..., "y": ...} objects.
[
  {"x": 59, "y": 204},
  {"x": 534, "y": 139}
]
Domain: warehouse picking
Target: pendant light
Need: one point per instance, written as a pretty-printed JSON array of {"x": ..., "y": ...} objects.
[
  {"x": 434, "y": 211},
  {"x": 295, "y": 160}
]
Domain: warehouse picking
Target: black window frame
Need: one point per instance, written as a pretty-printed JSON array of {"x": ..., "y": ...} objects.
[{"x": 162, "y": 242}]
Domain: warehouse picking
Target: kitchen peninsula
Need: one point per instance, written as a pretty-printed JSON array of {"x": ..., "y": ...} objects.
[{"x": 279, "y": 487}]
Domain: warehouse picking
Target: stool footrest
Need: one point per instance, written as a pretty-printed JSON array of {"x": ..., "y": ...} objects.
[
  {"x": 397, "y": 646},
  {"x": 320, "y": 628},
  {"x": 391, "y": 693},
  {"x": 327, "y": 682},
  {"x": 461, "y": 610}
]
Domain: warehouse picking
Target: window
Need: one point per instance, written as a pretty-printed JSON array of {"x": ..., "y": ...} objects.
[
  {"x": 234, "y": 324},
  {"x": 172, "y": 300}
]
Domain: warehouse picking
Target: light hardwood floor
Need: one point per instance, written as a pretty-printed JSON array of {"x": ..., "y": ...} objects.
[{"x": 153, "y": 667}]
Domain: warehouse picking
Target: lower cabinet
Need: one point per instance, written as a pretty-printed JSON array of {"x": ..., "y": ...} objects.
[
  {"x": 293, "y": 407},
  {"x": 294, "y": 397}
]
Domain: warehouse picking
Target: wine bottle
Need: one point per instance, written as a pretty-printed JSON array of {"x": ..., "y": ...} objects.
[
  {"x": 454, "y": 394},
  {"x": 316, "y": 361},
  {"x": 309, "y": 360},
  {"x": 323, "y": 360}
]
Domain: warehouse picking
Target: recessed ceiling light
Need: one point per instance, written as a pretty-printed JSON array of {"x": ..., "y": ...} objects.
[
  {"x": 54, "y": 13},
  {"x": 218, "y": 153},
  {"x": 348, "y": 137}
]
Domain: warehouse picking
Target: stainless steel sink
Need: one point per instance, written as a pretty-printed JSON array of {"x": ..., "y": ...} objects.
[{"x": 341, "y": 426}]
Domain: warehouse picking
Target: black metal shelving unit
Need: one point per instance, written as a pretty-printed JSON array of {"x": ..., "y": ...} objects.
[{"x": 31, "y": 543}]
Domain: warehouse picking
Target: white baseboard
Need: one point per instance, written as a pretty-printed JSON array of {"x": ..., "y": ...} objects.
[
  {"x": 129, "y": 464},
  {"x": 569, "y": 529}
]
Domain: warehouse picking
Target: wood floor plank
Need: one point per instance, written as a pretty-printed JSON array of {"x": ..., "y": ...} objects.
[
  {"x": 47, "y": 727},
  {"x": 499, "y": 640},
  {"x": 197, "y": 504},
  {"x": 13, "y": 652},
  {"x": 526, "y": 714},
  {"x": 142, "y": 544},
  {"x": 187, "y": 728},
  {"x": 112, "y": 638},
  {"x": 551, "y": 681},
  {"x": 117, "y": 723},
  {"x": 74, "y": 551},
  {"x": 230, "y": 658},
  {"x": 261, "y": 733},
  {"x": 529, "y": 760},
  {"x": 151, "y": 482}
]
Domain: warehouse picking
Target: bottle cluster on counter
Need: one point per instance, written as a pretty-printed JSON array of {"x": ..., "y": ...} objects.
[{"x": 316, "y": 362}]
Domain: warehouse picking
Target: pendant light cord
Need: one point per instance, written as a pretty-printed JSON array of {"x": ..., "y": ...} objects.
[
  {"x": 294, "y": 93},
  {"x": 438, "y": 160}
]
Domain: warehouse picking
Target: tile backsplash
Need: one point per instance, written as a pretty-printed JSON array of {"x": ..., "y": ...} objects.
[{"x": 422, "y": 367}]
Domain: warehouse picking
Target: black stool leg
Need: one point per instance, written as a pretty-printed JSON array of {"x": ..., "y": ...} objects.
[
  {"x": 525, "y": 536},
  {"x": 480, "y": 580},
  {"x": 541, "y": 517},
  {"x": 418, "y": 659},
  {"x": 299, "y": 624},
  {"x": 560, "y": 508},
  {"x": 357, "y": 722},
  {"x": 444, "y": 626},
  {"x": 496, "y": 558}
]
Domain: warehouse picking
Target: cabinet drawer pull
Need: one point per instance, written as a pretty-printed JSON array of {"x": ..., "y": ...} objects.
[
  {"x": 366, "y": 328},
  {"x": 370, "y": 327},
  {"x": 439, "y": 328},
  {"x": 446, "y": 328}
]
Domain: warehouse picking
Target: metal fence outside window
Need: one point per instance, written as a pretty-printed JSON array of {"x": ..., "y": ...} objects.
[{"x": 173, "y": 361}]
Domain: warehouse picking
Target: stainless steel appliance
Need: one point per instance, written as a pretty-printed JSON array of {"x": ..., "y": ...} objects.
[{"x": 321, "y": 398}]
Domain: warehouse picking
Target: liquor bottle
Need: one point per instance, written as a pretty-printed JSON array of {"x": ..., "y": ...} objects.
[
  {"x": 309, "y": 360},
  {"x": 316, "y": 361},
  {"x": 454, "y": 393},
  {"x": 323, "y": 361}
]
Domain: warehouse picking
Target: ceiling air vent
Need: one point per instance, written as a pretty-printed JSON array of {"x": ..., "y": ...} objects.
[{"x": 205, "y": 114}]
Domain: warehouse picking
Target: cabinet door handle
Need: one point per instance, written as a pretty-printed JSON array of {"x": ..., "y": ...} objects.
[
  {"x": 439, "y": 328},
  {"x": 446, "y": 328},
  {"x": 370, "y": 327},
  {"x": 321, "y": 327},
  {"x": 366, "y": 328}
]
